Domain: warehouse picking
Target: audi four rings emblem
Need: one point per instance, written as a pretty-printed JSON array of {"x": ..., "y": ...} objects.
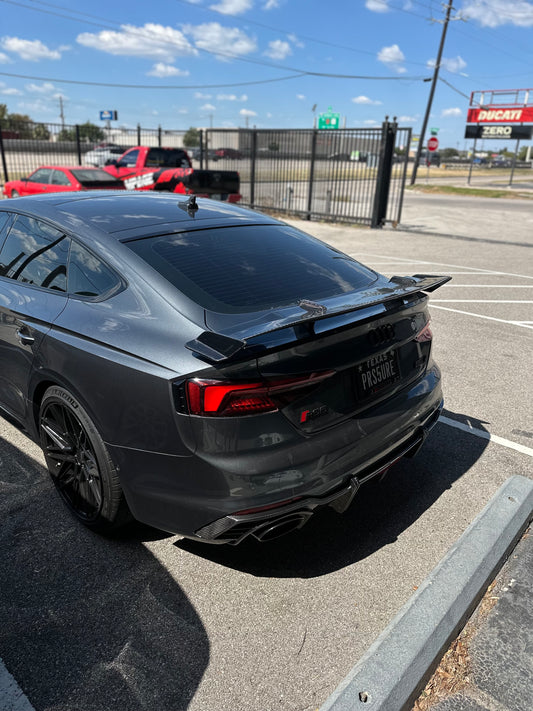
[{"x": 382, "y": 334}]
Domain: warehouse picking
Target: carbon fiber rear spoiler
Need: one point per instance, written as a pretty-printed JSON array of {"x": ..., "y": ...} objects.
[{"x": 216, "y": 347}]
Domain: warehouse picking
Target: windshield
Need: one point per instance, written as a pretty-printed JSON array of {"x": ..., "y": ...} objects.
[{"x": 87, "y": 176}]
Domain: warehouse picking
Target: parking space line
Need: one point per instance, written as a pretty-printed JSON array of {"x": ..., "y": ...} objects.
[
  {"x": 475, "y": 270},
  {"x": 524, "y": 324},
  {"x": 487, "y": 435},
  {"x": 487, "y": 286}
]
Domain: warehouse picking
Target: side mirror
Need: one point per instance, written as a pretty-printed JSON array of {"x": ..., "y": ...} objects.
[{"x": 112, "y": 161}]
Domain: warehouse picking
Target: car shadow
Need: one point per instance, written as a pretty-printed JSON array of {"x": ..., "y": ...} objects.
[
  {"x": 86, "y": 622},
  {"x": 380, "y": 512}
]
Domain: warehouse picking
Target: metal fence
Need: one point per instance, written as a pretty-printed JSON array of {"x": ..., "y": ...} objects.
[
  {"x": 343, "y": 175},
  {"x": 348, "y": 175}
]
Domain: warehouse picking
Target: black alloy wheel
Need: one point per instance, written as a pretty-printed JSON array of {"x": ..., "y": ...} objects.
[{"x": 79, "y": 463}]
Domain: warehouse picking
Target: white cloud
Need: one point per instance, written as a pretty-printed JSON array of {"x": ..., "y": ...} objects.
[
  {"x": 31, "y": 50},
  {"x": 301, "y": 97},
  {"x": 215, "y": 38},
  {"x": 153, "y": 41},
  {"x": 366, "y": 101},
  {"x": 4, "y": 59},
  {"x": 452, "y": 64},
  {"x": 407, "y": 119},
  {"x": 208, "y": 107},
  {"x": 370, "y": 122},
  {"x": 166, "y": 70},
  {"x": 232, "y": 7},
  {"x": 10, "y": 91},
  {"x": 271, "y": 4},
  {"x": 377, "y": 5},
  {"x": 183, "y": 111},
  {"x": 296, "y": 42},
  {"x": 392, "y": 57},
  {"x": 231, "y": 97},
  {"x": 493, "y": 13},
  {"x": 247, "y": 112},
  {"x": 199, "y": 95},
  {"x": 45, "y": 89},
  {"x": 278, "y": 49},
  {"x": 452, "y": 112}
]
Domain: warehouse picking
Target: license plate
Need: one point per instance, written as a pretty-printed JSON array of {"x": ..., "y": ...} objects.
[{"x": 377, "y": 373}]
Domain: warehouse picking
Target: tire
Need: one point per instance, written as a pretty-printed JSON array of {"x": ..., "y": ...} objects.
[
  {"x": 15, "y": 194},
  {"x": 79, "y": 463}
]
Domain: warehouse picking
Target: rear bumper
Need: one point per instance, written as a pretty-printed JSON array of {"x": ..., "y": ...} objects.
[
  {"x": 270, "y": 524},
  {"x": 204, "y": 496}
]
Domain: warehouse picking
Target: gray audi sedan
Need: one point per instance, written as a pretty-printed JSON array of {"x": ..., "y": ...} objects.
[{"x": 203, "y": 368}]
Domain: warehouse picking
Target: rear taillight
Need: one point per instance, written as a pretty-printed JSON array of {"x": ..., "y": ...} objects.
[
  {"x": 220, "y": 398},
  {"x": 424, "y": 335}
]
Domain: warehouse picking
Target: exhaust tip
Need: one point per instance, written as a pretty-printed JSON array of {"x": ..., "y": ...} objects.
[{"x": 281, "y": 526}]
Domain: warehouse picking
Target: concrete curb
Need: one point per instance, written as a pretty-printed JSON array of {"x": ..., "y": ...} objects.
[
  {"x": 12, "y": 697},
  {"x": 394, "y": 670}
]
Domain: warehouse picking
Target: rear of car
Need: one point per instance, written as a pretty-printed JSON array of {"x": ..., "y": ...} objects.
[{"x": 313, "y": 374}]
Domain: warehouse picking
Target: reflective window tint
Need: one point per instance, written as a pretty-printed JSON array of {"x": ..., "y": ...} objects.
[
  {"x": 35, "y": 253},
  {"x": 59, "y": 178},
  {"x": 235, "y": 269},
  {"x": 130, "y": 158},
  {"x": 87, "y": 275},
  {"x": 4, "y": 217}
]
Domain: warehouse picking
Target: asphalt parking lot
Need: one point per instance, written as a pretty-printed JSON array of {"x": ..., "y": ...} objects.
[{"x": 151, "y": 621}]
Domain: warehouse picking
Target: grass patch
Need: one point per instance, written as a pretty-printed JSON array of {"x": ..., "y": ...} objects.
[{"x": 473, "y": 192}]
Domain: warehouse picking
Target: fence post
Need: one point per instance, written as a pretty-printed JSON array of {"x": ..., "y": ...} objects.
[
  {"x": 311, "y": 175},
  {"x": 252, "y": 168},
  {"x": 383, "y": 180},
  {"x": 138, "y": 134},
  {"x": 159, "y": 136},
  {"x": 78, "y": 143},
  {"x": 201, "y": 132},
  {"x": 4, "y": 164}
]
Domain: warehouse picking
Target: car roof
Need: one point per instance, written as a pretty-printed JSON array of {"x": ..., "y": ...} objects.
[{"x": 130, "y": 214}]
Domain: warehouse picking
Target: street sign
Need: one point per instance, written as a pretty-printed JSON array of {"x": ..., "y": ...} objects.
[
  {"x": 108, "y": 115},
  {"x": 329, "y": 120},
  {"x": 433, "y": 143},
  {"x": 434, "y": 131}
]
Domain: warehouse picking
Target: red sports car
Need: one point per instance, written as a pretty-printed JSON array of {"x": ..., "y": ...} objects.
[{"x": 57, "y": 179}]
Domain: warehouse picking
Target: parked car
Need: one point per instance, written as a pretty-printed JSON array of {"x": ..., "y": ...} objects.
[
  {"x": 477, "y": 160},
  {"x": 174, "y": 369},
  {"x": 431, "y": 158},
  {"x": 232, "y": 153},
  {"x": 210, "y": 154},
  {"x": 59, "y": 179},
  {"x": 500, "y": 162},
  {"x": 101, "y": 154}
]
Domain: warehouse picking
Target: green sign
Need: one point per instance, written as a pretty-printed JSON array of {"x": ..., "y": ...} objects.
[
  {"x": 329, "y": 120},
  {"x": 434, "y": 131}
]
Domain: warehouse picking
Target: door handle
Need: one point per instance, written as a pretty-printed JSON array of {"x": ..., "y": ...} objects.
[{"x": 24, "y": 337}]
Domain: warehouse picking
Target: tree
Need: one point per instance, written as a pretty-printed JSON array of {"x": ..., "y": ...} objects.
[
  {"x": 448, "y": 153},
  {"x": 89, "y": 132},
  {"x": 22, "y": 125},
  {"x": 191, "y": 139}
]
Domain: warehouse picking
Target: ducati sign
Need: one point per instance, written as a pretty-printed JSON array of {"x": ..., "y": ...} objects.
[
  {"x": 501, "y": 115},
  {"x": 488, "y": 131}
]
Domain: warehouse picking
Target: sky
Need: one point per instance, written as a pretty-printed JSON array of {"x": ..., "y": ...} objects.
[{"x": 263, "y": 63}]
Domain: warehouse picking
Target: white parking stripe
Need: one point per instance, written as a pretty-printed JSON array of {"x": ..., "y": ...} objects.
[
  {"x": 487, "y": 435},
  {"x": 488, "y": 318},
  {"x": 475, "y": 270},
  {"x": 487, "y": 286}
]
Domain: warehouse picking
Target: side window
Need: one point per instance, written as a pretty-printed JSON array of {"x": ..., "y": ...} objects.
[
  {"x": 87, "y": 275},
  {"x": 40, "y": 176},
  {"x": 35, "y": 253},
  {"x": 59, "y": 178},
  {"x": 4, "y": 219},
  {"x": 130, "y": 158}
]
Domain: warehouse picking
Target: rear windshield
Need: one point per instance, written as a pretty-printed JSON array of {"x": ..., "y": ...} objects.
[
  {"x": 167, "y": 158},
  {"x": 251, "y": 268},
  {"x": 88, "y": 177}
]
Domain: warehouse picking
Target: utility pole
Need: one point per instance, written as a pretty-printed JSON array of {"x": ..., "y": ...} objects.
[
  {"x": 432, "y": 91},
  {"x": 61, "y": 114}
]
